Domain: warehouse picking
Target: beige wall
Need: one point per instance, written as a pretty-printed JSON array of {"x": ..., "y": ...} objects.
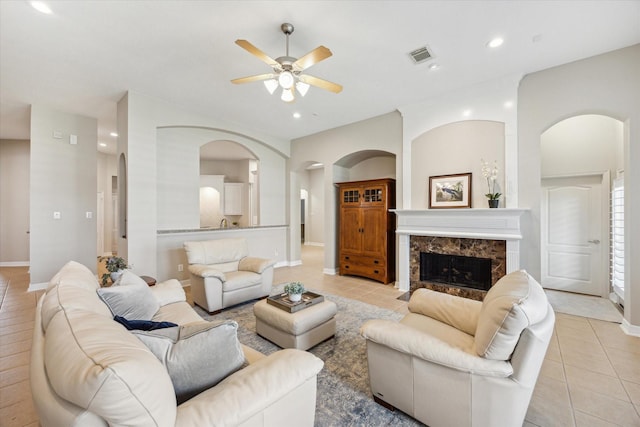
[
  {"x": 457, "y": 148},
  {"x": 63, "y": 179},
  {"x": 607, "y": 84},
  {"x": 582, "y": 144},
  {"x": 14, "y": 202}
]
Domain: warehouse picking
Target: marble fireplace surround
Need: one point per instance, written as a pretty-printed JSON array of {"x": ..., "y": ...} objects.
[{"x": 476, "y": 224}]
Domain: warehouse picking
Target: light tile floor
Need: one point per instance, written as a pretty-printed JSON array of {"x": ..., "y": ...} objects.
[{"x": 591, "y": 374}]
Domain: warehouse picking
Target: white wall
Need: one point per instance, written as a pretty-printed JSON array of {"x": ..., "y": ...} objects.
[
  {"x": 63, "y": 179},
  {"x": 14, "y": 202},
  {"x": 314, "y": 228},
  {"x": 582, "y": 144},
  {"x": 457, "y": 148},
  {"x": 606, "y": 84}
]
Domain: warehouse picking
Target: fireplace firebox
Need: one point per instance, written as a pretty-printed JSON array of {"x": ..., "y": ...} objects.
[{"x": 456, "y": 270}]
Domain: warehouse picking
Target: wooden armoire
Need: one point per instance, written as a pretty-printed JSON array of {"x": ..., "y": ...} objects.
[{"x": 367, "y": 229}]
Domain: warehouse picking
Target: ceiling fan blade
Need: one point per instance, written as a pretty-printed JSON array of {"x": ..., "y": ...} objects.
[
  {"x": 257, "y": 52},
  {"x": 316, "y": 55},
  {"x": 322, "y": 84},
  {"x": 255, "y": 78}
]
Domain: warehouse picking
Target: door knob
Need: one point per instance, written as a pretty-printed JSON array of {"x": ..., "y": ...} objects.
[{"x": 596, "y": 241}]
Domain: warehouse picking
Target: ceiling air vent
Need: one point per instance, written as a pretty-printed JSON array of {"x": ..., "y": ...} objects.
[{"x": 420, "y": 55}]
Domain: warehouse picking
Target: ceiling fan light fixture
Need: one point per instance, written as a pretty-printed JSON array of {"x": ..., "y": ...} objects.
[
  {"x": 287, "y": 95},
  {"x": 286, "y": 80},
  {"x": 302, "y": 88},
  {"x": 271, "y": 85}
]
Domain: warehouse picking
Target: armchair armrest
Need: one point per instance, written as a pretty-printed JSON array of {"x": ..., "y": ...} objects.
[
  {"x": 411, "y": 341},
  {"x": 250, "y": 390},
  {"x": 257, "y": 265},
  {"x": 461, "y": 313},
  {"x": 204, "y": 270},
  {"x": 168, "y": 292}
]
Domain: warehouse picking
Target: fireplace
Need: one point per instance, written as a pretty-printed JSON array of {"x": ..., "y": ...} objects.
[
  {"x": 484, "y": 233},
  {"x": 456, "y": 270}
]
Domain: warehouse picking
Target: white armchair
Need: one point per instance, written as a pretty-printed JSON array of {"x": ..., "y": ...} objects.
[
  {"x": 222, "y": 273},
  {"x": 458, "y": 362}
]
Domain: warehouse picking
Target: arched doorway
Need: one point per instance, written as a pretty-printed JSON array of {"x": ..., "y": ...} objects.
[{"x": 580, "y": 158}]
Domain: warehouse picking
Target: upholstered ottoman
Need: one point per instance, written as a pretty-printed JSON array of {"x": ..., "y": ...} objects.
[{"x": 302, "y": 329}]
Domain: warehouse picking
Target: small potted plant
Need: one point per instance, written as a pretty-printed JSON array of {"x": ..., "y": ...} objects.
[
  {"x": 295, "y": 291},
  {"x": 491, "y": 175},
  {"x": 115, "y": 267}
]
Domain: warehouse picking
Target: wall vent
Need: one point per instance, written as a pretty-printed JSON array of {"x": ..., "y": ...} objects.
[{"x": 420, "y": 55}]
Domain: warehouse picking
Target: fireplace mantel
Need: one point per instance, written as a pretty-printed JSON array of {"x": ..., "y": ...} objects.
[{"x": 490, "y": 224}]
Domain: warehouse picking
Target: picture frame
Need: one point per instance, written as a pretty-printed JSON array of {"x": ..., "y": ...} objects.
[{"x": 450, "y": 191}]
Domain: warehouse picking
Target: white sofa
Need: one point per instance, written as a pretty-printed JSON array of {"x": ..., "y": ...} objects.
[
  {"x": 223, "y": 274},
  {"x": 88, "y": 370},
  {"x": 453, "y": 361}
]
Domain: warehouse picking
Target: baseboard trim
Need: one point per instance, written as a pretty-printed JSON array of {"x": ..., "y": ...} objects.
[
  {"x": 15, "y": 264},
  {"x": 330, "y": 271},
  {"x": 281, "y": 264},
  {"x": 314, "y": 244},
  {"x": 37, "y": 286},
  {"x": 294, "y": 263},
  {"x": 630, "y": 329}
]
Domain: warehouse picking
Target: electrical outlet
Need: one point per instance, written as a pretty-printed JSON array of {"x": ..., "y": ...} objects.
[{"x": 180, "y": 267}]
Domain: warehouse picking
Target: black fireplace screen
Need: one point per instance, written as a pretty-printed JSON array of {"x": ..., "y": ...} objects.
[{"x": 456, "y": 270}]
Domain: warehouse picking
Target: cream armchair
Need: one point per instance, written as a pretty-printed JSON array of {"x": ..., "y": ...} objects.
[
  {"x": 458, "y": 362},
  {"x": 222, "y": 273}
]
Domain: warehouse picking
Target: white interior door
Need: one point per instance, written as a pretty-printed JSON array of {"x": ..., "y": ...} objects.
[
  {"x": 574, "y": 224},
  {"x": 100, "y": 223}
]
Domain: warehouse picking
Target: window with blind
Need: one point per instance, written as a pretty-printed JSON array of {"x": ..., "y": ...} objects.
[{"x": 617, "y": 238}]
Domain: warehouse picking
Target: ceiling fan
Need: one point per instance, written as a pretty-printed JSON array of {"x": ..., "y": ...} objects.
[{"x": 287, "y": 70}]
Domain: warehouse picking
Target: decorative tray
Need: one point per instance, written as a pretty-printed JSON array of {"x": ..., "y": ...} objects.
[{"x": 283, "y": 303}]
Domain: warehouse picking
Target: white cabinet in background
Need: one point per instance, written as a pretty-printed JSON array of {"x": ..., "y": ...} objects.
[{"x": 233, "y": 198}]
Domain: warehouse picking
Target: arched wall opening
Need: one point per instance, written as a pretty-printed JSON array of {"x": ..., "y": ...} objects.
[{"x": 581, "y": 158}]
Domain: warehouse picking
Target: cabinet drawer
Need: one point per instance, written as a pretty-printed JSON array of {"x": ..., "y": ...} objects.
[
  {"x": 364, "y": 260},
  {"x": 373, "y": 272}
]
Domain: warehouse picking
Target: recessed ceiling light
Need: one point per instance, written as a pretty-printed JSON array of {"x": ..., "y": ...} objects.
[
  {"x": 41, "y": 7},
  {"x": 297, "y": 115},
  {"x": 434, "y": 66},
  {"x": 102, "y": 144},
  {"x": 113, "y": 134},
  {"x": 508, "y": 104},
  {"x": 466, "y": 113},
  {"x": 496, "y": 42}
]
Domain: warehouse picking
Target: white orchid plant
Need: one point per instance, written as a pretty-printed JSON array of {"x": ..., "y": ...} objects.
[{"x": 491, "y": 175}]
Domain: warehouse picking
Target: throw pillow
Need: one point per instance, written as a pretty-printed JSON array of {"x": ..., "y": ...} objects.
[
  {"x": 197, "y": 355},
  {"x": 143, "y": 325},
  {"x": 131, "y": 298}
]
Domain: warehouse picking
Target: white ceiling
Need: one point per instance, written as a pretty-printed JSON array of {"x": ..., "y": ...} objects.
[{"x": 85, "y": 56}]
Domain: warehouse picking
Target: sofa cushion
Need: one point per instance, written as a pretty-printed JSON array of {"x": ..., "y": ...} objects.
[
  {"x": 130, "y": 297},
  {"x": 216, "y": 251},
  {"x": 197, "y": 356},
  {"x": 240, "y": 279},
  {"x": 514, "y": 303}
]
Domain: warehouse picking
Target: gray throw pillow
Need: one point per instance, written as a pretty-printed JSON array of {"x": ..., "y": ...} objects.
[
  {"x": 130, "y": 297},
  {"x": 197, "y": 355}
]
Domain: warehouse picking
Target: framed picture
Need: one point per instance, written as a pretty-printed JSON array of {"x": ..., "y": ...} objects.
[{"x": 450, "y": 191}]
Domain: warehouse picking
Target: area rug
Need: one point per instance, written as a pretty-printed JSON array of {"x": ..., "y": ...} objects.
[
  {"x": 584, "y": 306},
  {"x": 343, "y": 396}
]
